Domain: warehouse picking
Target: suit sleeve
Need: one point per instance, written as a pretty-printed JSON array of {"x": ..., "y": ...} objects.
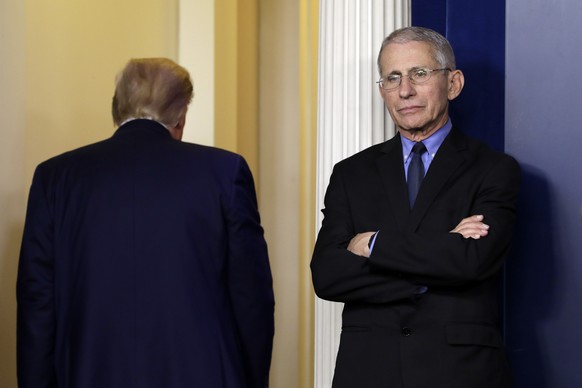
[
  {"x": 341, "y": 276},
  {"x": 250, "y": 280},
  {"x": 35, "y": 294},
  {"x": 440, "y": 258}
]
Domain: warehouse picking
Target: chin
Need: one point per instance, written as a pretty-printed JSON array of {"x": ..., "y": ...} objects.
[{"x": 411, "y": 129}]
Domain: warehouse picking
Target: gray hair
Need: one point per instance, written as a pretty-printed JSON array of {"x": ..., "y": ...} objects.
[{"x": 442, "y": 52}]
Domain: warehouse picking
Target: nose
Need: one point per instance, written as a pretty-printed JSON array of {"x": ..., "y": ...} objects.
[{"x": 406, "y": 88}]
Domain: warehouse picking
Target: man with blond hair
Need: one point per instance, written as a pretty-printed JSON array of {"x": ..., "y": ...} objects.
[{"x": 143, "y": 261}]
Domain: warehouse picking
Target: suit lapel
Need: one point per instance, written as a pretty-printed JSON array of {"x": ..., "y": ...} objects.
[
  {"x": 448, "y": 159},
  {"x": 391, "y": 168}
]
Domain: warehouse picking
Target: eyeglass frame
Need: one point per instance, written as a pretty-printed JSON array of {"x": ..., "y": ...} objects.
[{"x": 380, "y": 82}]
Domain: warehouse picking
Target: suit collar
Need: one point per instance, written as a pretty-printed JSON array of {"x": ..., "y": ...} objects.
[
  {"x": 451, "y": 156},
  {"x": 391, "y": 168},
  {"x": 142, "y": 127}
]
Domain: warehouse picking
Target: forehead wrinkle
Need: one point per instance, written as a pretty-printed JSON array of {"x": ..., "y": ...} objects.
[{"x": 407, "y": 54}]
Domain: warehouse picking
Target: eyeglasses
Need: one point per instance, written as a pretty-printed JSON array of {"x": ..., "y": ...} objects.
[{"x": 416, "y": 77}]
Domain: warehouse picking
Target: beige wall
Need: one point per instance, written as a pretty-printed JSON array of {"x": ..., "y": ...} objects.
[
  {"x": 12, "y": 179},
  {"x": 279, "y": 190},
  {"x": 288, "y": 88},
  {"x": 196, "y": 53},
  {"x": 58, "y": 61}
]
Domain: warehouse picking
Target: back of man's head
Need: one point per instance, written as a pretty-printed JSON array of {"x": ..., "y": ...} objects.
[{"x": 153, "y": 88}]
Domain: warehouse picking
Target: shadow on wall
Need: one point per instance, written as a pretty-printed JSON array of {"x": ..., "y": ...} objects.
[
  {"x": 529, "y": 279},
  {"x": 8, "y": 270},
  {"x": 482, "y": 95}
]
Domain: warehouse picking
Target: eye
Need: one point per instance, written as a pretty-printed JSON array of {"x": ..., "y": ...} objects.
[
  {"x": 420, "y": 74},
  {"x": 392, "y": 79}
]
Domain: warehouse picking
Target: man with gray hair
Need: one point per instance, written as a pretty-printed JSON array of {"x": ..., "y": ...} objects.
[{"x": 414, "y": 236}]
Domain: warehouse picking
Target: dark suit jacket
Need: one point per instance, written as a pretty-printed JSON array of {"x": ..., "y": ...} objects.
[
  {"x": 393, "y": 334},
  {"x": 143, "y": 264}
]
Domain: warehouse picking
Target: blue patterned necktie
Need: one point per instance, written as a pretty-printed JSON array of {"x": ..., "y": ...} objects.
[{"x": 415, "y": 172}]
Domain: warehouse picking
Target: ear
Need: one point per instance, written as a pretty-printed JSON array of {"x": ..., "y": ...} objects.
[
  {"x": 456, "y": 83},
  {"x": 178, "y": 129}
]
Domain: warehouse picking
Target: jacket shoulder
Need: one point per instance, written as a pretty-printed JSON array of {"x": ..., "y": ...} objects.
[{"x": 368, "y": 155}]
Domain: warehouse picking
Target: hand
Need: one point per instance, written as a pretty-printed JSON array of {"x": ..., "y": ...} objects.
[
  {"x": 472, "y": 227},
  {"x": 359, "y": 244}
]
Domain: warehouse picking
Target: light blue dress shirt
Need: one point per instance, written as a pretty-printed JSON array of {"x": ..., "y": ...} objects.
[{"x": 432, "y": 143}]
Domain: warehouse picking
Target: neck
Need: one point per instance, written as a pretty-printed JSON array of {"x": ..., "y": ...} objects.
[{"x": 420, "y": 134}]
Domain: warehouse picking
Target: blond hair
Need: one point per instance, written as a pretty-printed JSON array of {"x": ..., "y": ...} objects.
[{"x": 154, "y": 88}]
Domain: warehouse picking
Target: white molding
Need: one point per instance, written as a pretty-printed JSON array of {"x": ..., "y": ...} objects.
[
  {"x": 351, "y": 117},
  {"x": 196, "y": 23}
]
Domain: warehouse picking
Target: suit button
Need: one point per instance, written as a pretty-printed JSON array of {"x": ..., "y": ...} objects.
[{"x": 406, "y": 331}]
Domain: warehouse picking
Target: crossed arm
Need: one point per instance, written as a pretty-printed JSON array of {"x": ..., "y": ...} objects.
[
  {"x": 470, "y": 227},
  {"x": 344, "y": 270}
]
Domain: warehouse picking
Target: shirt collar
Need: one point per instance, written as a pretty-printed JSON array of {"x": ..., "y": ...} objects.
[
  {"x": 142, "y": 118},
  {"x": 432, "y": 143}
]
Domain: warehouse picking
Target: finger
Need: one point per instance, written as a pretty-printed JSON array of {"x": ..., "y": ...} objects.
[
  {"x": 472, "y": 229},
  {"x": 471, "y": 219},
  {"x": 474, "y": 233},
  {"x": 470, "y": 225}
]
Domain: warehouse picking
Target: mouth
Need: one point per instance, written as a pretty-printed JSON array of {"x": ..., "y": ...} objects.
[{"x": 409, "y": 109}]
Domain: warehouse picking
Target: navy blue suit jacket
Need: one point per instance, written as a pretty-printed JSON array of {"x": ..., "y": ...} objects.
[
  {"x": 143, "y": 264},
  {"x": 394, "y": 335}
]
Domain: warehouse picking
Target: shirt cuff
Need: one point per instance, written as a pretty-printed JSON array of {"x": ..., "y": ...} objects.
[{"x": 372, "y": 241}]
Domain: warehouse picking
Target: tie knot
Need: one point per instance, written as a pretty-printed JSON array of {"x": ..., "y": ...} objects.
[{"x": 419, "y": 148}]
